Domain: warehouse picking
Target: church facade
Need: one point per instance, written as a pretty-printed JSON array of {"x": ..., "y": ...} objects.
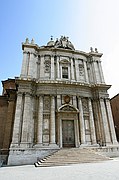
[{"x": 62, "y": 101}]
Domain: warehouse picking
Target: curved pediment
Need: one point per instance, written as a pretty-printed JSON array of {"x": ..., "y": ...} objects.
[
  {"x": 65, "y": 61},
  {"x": 68, "y": 108}
]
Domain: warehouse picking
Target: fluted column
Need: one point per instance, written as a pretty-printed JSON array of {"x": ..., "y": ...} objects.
[
  {"x": 52, "y": 67},
  {"x": 111, "y": 122},
  {"x": 40, "y": 122},
  {"x": 105, "y": 122},
  {"x": 17, "y": 122},
  {"x": 82, "y": 125},
  {"x": 52, "y": 121},
  {"x": 92, "y": 125},
  {"x": 26, "y": 135},
  {"x": 86, "y": 72}
]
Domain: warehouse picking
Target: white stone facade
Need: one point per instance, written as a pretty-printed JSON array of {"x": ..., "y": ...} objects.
[{"x": 62, "y": 101}]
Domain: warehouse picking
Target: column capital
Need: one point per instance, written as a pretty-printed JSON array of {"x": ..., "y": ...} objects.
[
  {"x": 19, "y": 93},
  {"x": 42, "y": 55},
  {"x": 27, "y": 94},
  {"x": 25, "y": 52}
]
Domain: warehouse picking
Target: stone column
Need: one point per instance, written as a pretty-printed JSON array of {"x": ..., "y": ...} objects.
[
  {"x": 58, "y": 72},
  {"x": 26, "y": 135},
  {"x": 105, "y": 122},
  {"x": 111, "y": 122},
  {"x": 92, "y": 125},
  {"x": 52, "y": 121},
  {"x": 86, "y": 72},
  {"x": 52, "y": 67},
  {"x": 17, "y": 122},
  {"x": 82, "y": 125},
  {"x": 41, "y": 67},
  {"x": 101, "y": 72},
  {"x": 40, "y": 122},
  {"x": 74, "y": 101},
  {"x": 24, "y": 65},
  {"x": 72, "y": 70}
]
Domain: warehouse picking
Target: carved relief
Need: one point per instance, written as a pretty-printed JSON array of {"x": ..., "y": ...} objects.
[
  {"x": 46, "y": 105},
  {"x": 85, "y": 105},
  {"x": 67, "y": 108},
  {"x": 66, "y": 99},
  {"x": 81, "y": 70},
  {"x": 47, "y": 63},
  {"x": 46, "y": 118}
]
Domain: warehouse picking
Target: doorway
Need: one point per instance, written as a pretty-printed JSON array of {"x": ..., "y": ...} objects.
[{"x": 68, "y": 134}]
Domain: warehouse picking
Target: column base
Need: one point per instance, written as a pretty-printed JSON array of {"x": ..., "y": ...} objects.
[
  {"x": 89, "y": 145},
  {"x": 39, "y": 145},
  {"x": 26, "y": 145},
  {"x": 53, "y": 145}
]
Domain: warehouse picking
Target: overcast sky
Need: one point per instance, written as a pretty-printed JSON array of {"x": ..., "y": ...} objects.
[{"x": 87, "y": 23}]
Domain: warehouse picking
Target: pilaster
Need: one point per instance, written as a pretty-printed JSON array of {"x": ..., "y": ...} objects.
[
  {"x": 26, "y": 135},
  {"x": 101, "y": 72},
  {"x": 82, "y": 125},
  {"x": 52, "y": 67},
  {"x": 72, "y": 70},
  {"x": 41, "y": 67},
  {"x": 77, "y": 69},
  {"x": 86, "y": 72},
  {"x": 52, "y": 121},
  {"x": 105, "y": 122},
  {"x": 92, "y": 125},
  {"x": 17, "y": 122},
  {"x": 40, "y": 122},
  {"x": 58, "y": 72},
  {"x": 31, "y": 66},
  {"x": 24, "y": 64}
]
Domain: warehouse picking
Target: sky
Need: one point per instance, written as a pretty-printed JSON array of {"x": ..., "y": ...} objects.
[{"x": 87, "y": 23}]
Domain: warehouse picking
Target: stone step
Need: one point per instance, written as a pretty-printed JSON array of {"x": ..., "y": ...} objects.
[{"x": 71, "y": 156}]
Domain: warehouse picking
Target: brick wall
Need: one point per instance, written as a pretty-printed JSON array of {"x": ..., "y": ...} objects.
[
  {"x": 7, "y": 113},
  {"x": 115, "y": 112}
]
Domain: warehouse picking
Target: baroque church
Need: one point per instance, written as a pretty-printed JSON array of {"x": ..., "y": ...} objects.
[{"x": 62, "y": 102}]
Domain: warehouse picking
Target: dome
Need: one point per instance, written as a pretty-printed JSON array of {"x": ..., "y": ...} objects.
[{"x": 51, "y": 42}]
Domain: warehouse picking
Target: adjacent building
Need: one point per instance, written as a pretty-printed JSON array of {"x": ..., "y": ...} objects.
[
  {"x": 115, "y": 112},
  {"x": 62, "y": 101}
]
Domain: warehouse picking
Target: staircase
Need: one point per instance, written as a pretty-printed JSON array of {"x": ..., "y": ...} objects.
[{"x": 68, "y": 156}]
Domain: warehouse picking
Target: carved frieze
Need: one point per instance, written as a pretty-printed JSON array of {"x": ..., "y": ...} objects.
[
  {"x": 46, "y": 104},
  {"x": 85, "y": 105},
  {"x": 47, "y": 63}
]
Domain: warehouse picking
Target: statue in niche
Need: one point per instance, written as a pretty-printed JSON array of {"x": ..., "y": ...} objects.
[
  {"x": 81, "y": 70},
  {"x": 46, "y": 103},
  {"x": 85, "y": 105},
  {"x": 47, "y": 66}
]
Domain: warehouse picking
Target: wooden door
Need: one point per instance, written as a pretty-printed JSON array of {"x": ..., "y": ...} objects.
[{"x": 68, "y": 137}]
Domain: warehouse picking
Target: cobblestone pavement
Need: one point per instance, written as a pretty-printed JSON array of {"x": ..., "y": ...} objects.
[{"x": 106, "y": 170}]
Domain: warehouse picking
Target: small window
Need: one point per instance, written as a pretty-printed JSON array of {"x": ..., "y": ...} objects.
[{"x": 65, "y": 72}]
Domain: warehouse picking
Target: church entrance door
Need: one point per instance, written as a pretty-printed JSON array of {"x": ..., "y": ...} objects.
[{"x": 68, "y": 135}]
